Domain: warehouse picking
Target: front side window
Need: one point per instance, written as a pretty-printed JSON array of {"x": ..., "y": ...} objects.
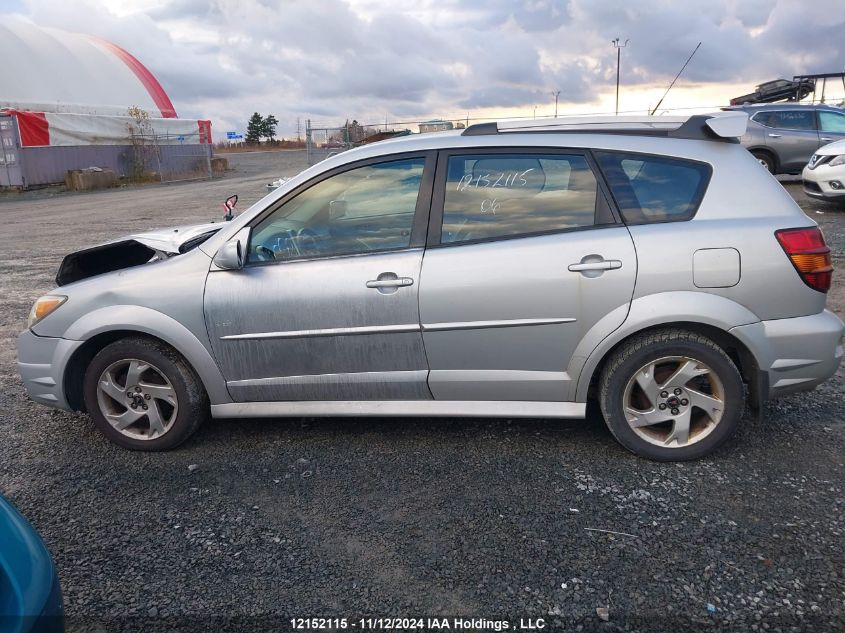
[
  {"x": 366, "y": 209},
  {"x": 654, "y": 188},
  {"x": 787, "y": 119},
  {"x": 499, "y": 195},
  {"x": 832, "y": 121}
]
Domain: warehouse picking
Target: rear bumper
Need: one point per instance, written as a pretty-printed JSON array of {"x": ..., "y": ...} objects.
[
  {"x": 796, "y": 354},
  {"x": 41, "y": 365}
]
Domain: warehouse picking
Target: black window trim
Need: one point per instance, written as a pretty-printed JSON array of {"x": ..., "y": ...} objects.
[
  {"x": 438, "y": 198},
  {"x": 419, "y": 226},
  {"x": 696, "y": 201}
]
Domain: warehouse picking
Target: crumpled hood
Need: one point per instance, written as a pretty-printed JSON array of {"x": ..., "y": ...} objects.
[
  {"x": 171, "y": 240},
  {"x": 133, "y": 250}
]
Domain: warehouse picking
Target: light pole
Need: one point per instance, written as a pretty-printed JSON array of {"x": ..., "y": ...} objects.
[
  {"x": 618, "y": 48},
  {"x": 555, "y": 94},
  {"x": 535, "y": 112}
]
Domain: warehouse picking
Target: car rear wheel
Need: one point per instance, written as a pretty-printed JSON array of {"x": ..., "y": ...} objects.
[
  {"x": 143, "y": 395},
  {"x": 671, "y": 395},
  {"x": 766, "y": 160}
]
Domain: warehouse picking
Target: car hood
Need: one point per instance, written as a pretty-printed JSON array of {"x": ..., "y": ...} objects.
[
  {"x": 171, "y": 240},
  {"x": 831, "y": 149},
  {"x": 133, "y": 250}
]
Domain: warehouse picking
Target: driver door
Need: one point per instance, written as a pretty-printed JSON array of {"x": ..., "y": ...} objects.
[{"x": 326, "y": 307}]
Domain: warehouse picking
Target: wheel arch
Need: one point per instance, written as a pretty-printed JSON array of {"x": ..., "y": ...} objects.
[
  {"x": 706, "y": 314},
  {"x": 107, "y": 325},
  {"x": 768, "y": 152},
  {"x": 738, "y": 352}
]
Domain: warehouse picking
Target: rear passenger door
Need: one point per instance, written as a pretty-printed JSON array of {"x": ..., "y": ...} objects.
[
  {"x": 524, "y": 256},
  {"x": 831, "y": 126},
  {"x": 792, "y": 134}
]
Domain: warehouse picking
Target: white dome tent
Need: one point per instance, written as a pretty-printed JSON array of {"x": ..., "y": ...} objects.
[{"x": 61, "y": 90}]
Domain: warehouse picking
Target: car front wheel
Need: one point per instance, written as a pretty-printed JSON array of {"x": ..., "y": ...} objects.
[
  {"x": 671, "y": 395},
  {"x": 143, "y": 395}
]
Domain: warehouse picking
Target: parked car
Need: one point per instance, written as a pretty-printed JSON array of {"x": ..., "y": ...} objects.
[
  {"x": 824, "y": 175},
  {"x": 777, "y": 90},
  {"x": 515, "y": 270},
  {"x": 30, "y": 597},
  {"x": 783, "y": 137}
]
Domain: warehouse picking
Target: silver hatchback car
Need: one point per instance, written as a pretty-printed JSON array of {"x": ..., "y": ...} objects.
[{"x": 519, "y": 269}]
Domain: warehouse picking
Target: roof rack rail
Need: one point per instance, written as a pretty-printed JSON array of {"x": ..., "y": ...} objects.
[{"x": 725, "y": 126}]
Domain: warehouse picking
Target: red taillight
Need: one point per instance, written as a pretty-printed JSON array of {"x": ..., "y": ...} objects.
[{"x": 809, "y": 254}]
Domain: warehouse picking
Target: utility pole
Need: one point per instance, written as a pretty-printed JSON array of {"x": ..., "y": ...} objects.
[
  {"x": 618, "y": 48},
  {"x": 555, "y": 94}
]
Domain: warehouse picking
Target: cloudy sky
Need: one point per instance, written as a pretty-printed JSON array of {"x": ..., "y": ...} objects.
[{"x": 375, "y": 60}]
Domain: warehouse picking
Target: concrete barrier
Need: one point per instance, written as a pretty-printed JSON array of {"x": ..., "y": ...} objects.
[{"x": 90, "y": 179}]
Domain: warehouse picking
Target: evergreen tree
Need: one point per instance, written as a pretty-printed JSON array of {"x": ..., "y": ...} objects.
[
  {"x": 268, "y": 127},
  {"x": 254, "y": 128}
]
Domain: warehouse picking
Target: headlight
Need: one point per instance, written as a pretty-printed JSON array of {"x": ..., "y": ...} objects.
[
  {"x": 839, "y": 160},
  {"x": 44, "y": 306}
]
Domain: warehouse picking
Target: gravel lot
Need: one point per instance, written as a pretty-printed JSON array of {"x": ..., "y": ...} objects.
[{"x": 415, "y": 518}]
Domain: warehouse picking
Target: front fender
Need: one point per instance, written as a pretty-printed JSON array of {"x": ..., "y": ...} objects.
[
  {"x": 161, "y": 326},
  {"x": 664, "y": 308}
]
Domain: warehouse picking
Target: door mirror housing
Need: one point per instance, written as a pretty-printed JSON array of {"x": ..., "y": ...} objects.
[{"x": 232, "y": 255}]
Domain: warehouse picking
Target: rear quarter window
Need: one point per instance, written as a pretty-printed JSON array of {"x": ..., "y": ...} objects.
[{"x": 650, "y": 189}]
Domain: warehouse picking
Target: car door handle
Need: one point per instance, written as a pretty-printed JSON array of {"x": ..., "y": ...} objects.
[
  {"x": 390, "y": 283},
  {"x": 607, "y": 264},
  {"x": 775, "y": 135},
  {"x": 825, "y": 139}
]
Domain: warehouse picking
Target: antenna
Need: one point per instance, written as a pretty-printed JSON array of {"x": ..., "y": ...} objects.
[
  {"x": 618, "y": 48},
  {"x": 675, "y": 79}
]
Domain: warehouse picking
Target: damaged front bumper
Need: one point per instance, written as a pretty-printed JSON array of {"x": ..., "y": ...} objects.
[{"x": 41, "y": 365}]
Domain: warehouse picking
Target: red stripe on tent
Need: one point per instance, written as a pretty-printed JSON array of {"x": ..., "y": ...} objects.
[
  {"x": 33, "y": 128},
  {"x": 204, "y": 127},
  {"x": 158, "y": 94}
]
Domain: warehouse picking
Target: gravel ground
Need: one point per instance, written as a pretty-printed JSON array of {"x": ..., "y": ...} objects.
[{"x": 266, "y": 520}]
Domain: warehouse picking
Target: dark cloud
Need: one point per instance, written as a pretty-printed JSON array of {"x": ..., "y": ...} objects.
[{"x": 365, "y": 59}]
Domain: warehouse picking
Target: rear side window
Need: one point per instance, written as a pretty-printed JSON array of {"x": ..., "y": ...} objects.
[
  {"x": 654, "y": 188},
  {"x": 832, "y": 121},
  {"x": 787, "y": 119},
  {"x": 500, "y": 195}
]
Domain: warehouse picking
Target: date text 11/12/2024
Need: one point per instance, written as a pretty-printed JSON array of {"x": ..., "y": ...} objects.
[{"x": 420, "y": 624}]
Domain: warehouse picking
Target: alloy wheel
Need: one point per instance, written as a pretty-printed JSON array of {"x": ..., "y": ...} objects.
[
  {"x": 674, "y": 401},
  {"x": 137, "y": 399}
]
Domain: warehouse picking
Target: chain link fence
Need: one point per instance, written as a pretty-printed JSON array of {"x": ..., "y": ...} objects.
[
  {"x": 323, "y": 142},
  {"x": 167, "y": 158}
]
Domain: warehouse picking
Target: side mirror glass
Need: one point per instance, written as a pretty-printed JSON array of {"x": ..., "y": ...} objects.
[
  {"x": 229, "y": 205},
  {"x": 231, "y": 255}
]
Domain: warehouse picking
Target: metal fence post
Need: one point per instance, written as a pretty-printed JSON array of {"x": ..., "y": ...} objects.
[{"x": 308, "y": 140}]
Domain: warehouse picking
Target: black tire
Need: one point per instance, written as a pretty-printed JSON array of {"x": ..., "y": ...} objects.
[
  {"x": 651, "y": 346},
  {"x": 766, "y": 160},
  {"x": 191, "y": 398}
]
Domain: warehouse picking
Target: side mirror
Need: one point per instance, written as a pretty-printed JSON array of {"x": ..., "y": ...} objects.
[
  {"x": 231, "y": 255},
  {"x": 337, "y": 209},
  {"x": 229, "y": 205}
]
